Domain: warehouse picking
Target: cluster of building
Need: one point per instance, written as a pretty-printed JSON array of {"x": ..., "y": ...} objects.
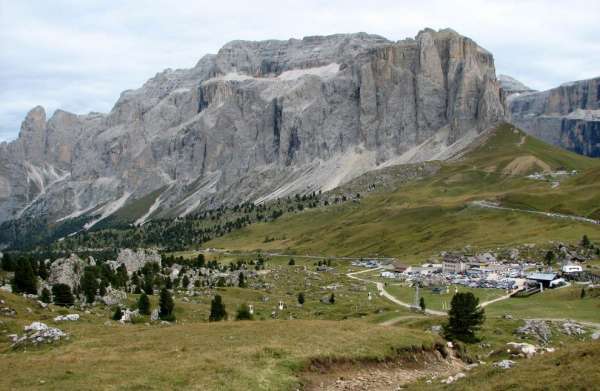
[{"x": 478, "y": 271}]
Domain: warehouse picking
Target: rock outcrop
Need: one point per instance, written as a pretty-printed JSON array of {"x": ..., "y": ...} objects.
[
  {"x": 567, "y": 116},
  {"x": 66, "y": 271},
  {"x": 135, "y": 260},
  {"x": 256, "y": 121}
]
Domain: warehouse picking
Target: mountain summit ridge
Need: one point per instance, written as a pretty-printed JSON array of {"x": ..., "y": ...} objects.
[{"x": 256, "y": 121}]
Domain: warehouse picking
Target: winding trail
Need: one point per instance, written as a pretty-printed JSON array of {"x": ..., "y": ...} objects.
[
  {"x": 387, "y": 295},
  {"x": 381, "y": 288},
  {"x": 491, "y": 205}
]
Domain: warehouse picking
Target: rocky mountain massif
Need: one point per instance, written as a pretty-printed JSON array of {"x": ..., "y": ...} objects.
[
  {"x": 567, "y": 116},
  {"x": 256, "y": 121}
]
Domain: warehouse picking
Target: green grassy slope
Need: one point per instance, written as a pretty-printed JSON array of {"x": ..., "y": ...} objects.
[{"x": 418, "y": 219}]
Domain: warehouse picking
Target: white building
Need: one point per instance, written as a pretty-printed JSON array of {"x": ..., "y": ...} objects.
[{"x": 571, "y": 268}]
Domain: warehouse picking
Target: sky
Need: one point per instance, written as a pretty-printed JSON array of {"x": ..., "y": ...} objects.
[{"x": 79, "y": 55}]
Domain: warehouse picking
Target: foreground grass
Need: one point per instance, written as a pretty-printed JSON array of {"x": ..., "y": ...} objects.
[{"x": 247, "y": 355}]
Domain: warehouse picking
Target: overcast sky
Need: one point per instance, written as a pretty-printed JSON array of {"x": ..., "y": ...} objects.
[{"x": 79, "y": 55}]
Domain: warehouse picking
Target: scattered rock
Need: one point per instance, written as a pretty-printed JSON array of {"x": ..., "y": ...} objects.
[
  {"x": 69, "y": 317},
  {"x": 526, "y": 349},
  {"x": 538, "y": 329},
  {"x": 572, "y": 328},
  {"x": 37, "y": 333},
  {"x": 596, "y": 335},
  {"x": 128, "y": 316},
  {"x": 154, "y": 315},
  {"x": 7, "y": 311},
  {"x": 504, "y": 364},
  {"x": 452, "y": 379},
  {"x": 436, "y": 329}
]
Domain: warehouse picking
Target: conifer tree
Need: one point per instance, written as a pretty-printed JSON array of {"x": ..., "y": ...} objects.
[
  {"x": 464, "y": 318},
  {"x": 241, "y": 280},
  {"x": 144, "y": 304},
  {"x": 217, "y": 309},
  {"x": 332, "y": 298},
  {"x": 422, "y": 303},
  {"x": 7, "y": 263},
  {"x": 118, "y": 314},
  {"x": 45, "y": 296},
  {"x": 62, "y": 295},
  {"x": 89, "y": 285},
  {"x": 185, "y": 282},
  {"x": 166, "y": 305},
  {"x": 25, "y": 280}
]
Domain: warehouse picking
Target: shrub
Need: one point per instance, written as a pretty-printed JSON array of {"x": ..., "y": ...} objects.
[
  {"x": 243, "y": 313},
  {"x": 301, "y": 298}
]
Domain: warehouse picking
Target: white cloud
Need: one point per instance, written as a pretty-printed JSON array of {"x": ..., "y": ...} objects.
[{"x": 79, "y": 55}]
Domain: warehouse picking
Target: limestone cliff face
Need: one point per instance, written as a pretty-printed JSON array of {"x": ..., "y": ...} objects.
[
  {"x": 567, "y": 116},
  {"x": 258, "y": 120}
]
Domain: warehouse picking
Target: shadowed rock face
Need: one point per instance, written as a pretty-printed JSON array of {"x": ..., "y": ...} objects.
[
  {"x": 567, "y": 116},
  {"x": 258, "y": 120}
]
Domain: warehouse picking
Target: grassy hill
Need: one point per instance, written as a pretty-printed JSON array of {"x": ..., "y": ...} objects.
[{"x": 418, "y": 219}]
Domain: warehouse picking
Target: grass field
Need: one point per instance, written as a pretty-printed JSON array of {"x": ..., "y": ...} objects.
[
  {"x": 437, "y": 301},
  {"x": 421, "y": 218}
]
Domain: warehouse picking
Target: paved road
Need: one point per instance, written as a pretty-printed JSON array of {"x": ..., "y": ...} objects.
[{"x": 490, "y": 205}]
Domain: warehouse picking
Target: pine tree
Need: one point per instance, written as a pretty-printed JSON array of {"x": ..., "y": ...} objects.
[
  {"x": 45, "y": 296},
  {"x": 43, "y": 270},
  {"x": 301, "y": 298},
  {"x": 292, "y": 262},
  {"x": 464, "y": 318},
  {"x": 217, "y": 309},
  {"x": 149, "y": 285},
  {"x": 7, "y": 263},
  {"x": 582, "y": 295},
  {"x": 118, "y": 314},
  {"x": 25, "y": 280},
  {"x": 241, "y": 280},
  {"x": 585, "y": 241},
  {"x": 422, "y": 303},
  {"x": 549, "y": 258},
  {"x": 166, "y": 305},
  {"x": 185, "y": 282},
  {"x": 89, "y": 285},
  {"x": 243, "y": 313},
  {"x": 332, "y": 298},
  {"x": 62, "y": 295},
  {"x": 144, "y": 304},
  {"x": 200, "y": 261}
]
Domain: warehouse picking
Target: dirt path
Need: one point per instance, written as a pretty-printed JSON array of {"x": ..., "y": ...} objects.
[
  {"x": 489, "y": 205},
  {"x": 385, "y": 376}
]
